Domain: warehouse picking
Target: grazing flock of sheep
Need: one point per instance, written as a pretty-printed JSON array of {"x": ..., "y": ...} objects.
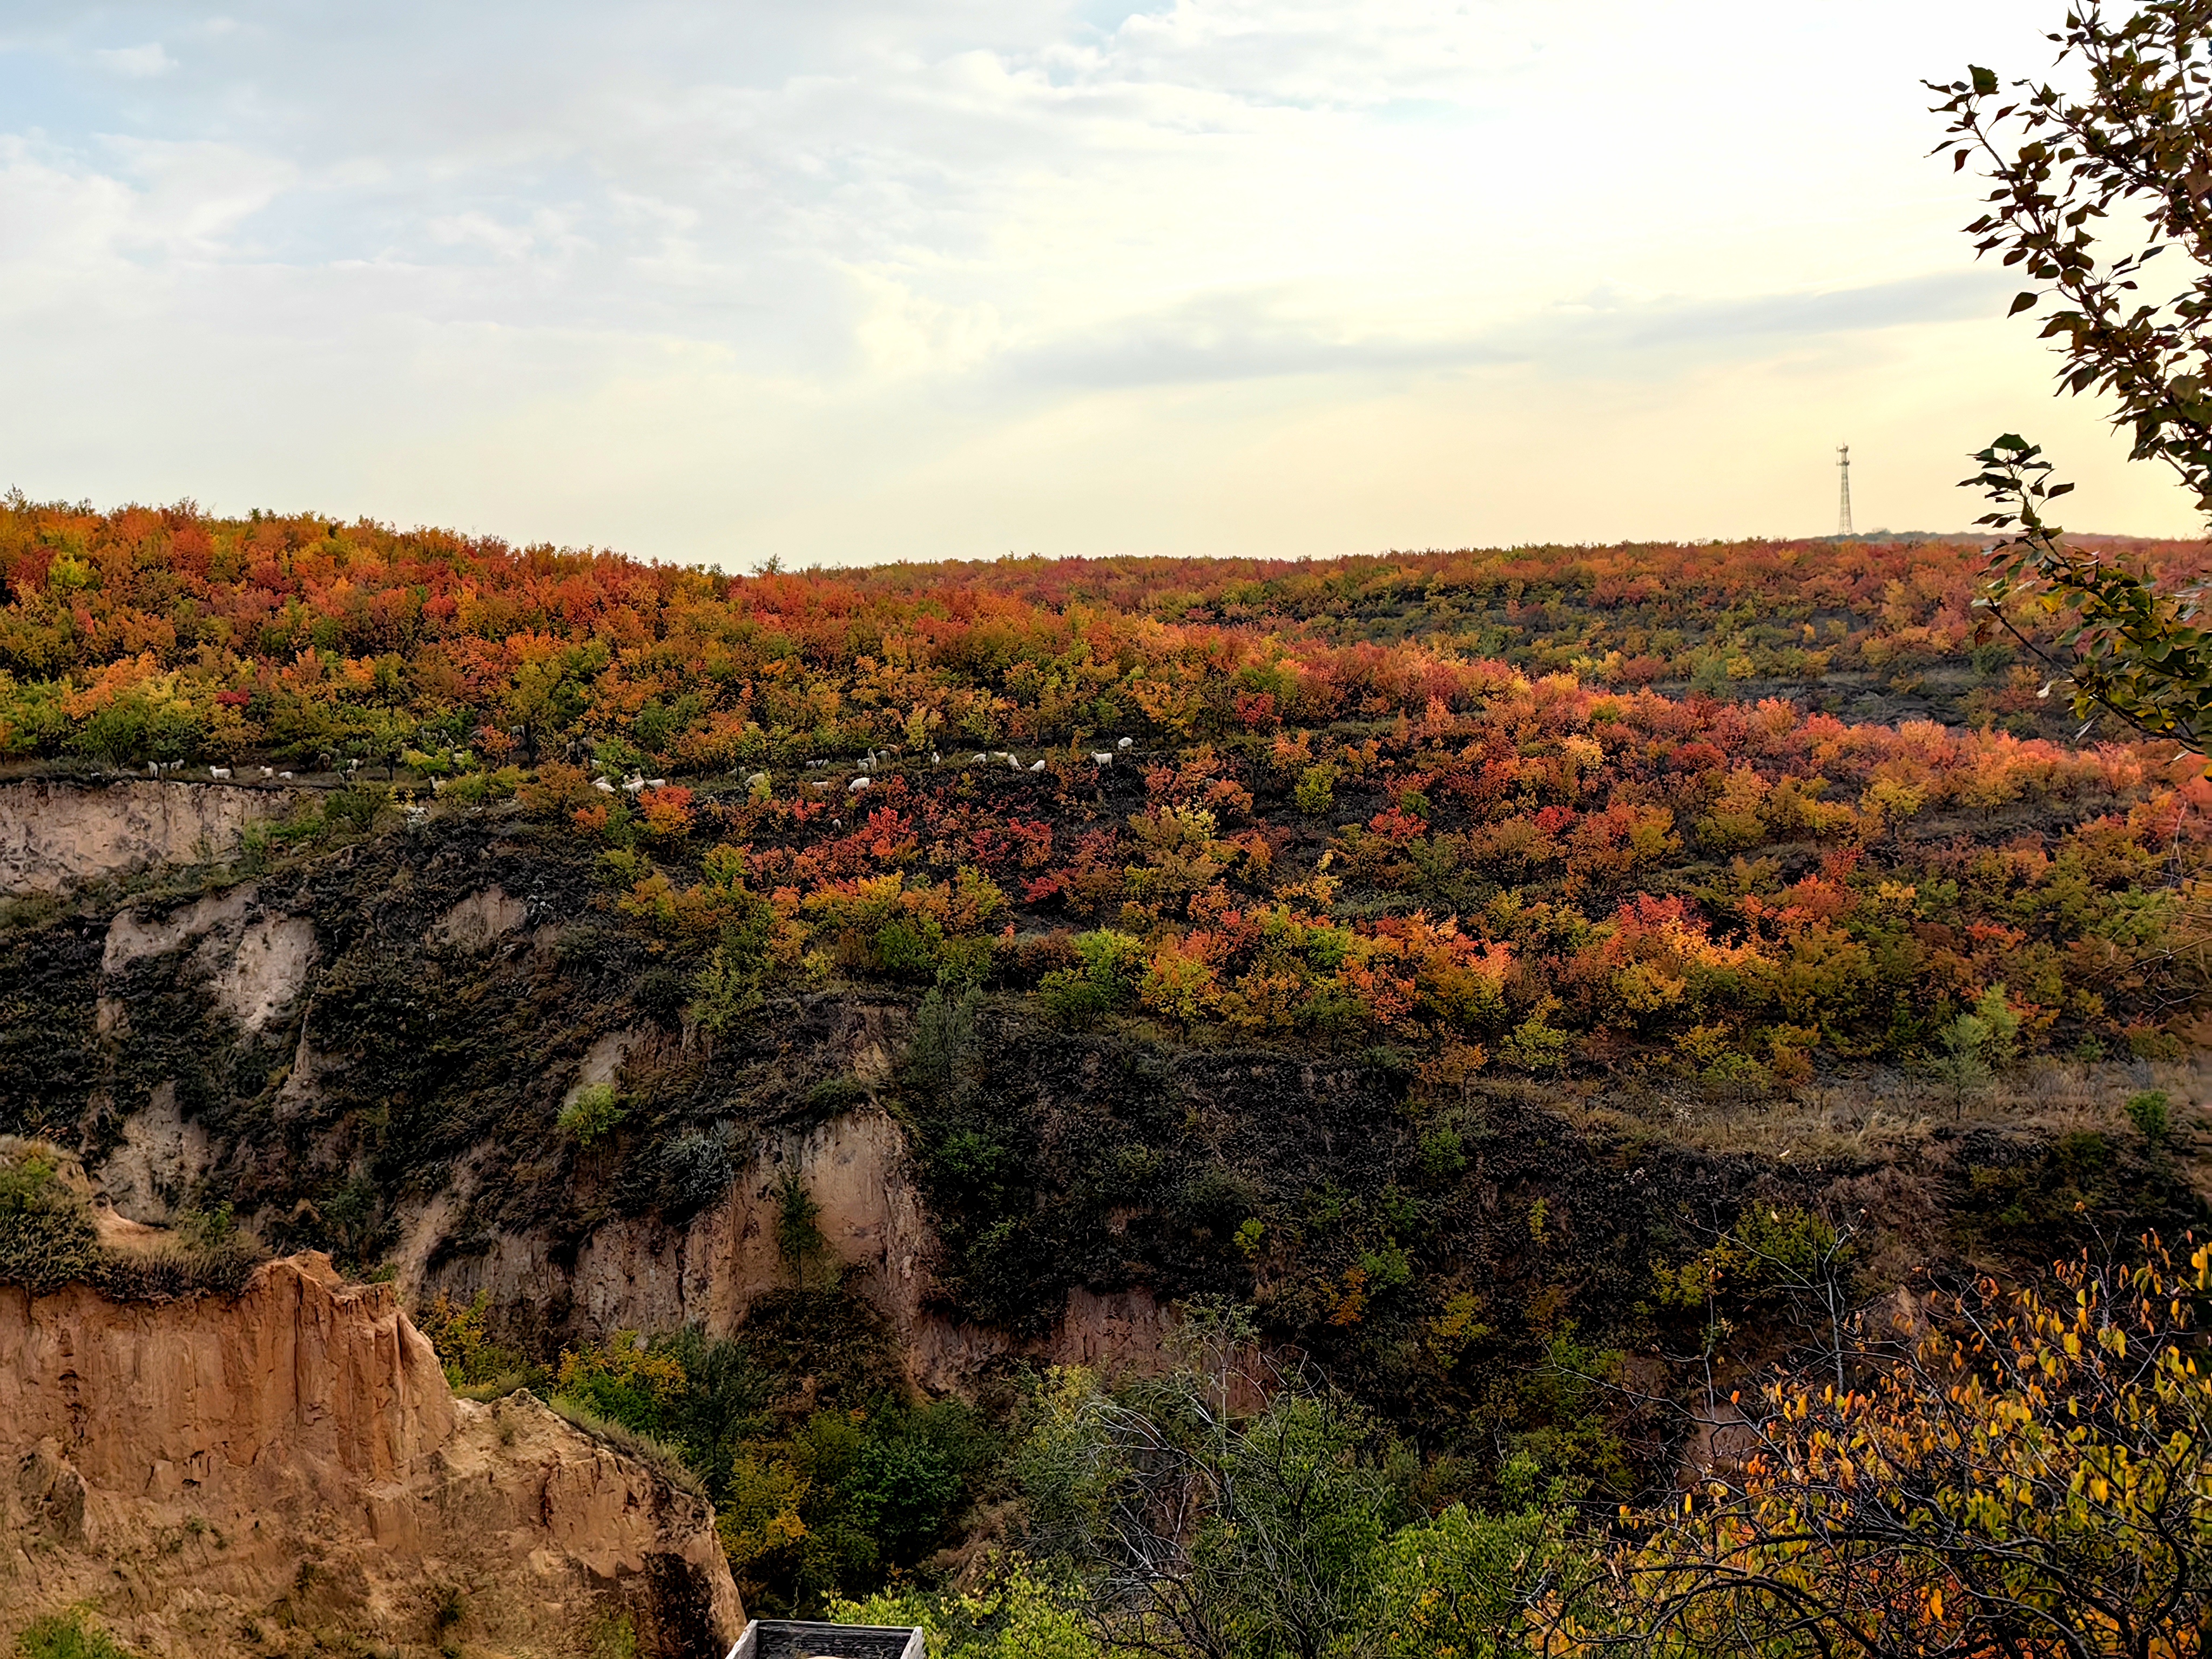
[
  {"x": 872, "y": 760},
  {"x": 636, "y": 783},
  {"x": 160, "y": 769}
]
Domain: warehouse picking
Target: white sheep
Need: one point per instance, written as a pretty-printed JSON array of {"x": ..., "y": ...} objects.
[
  {"x": 284, "y": 775},
  {"x": 756, "y": 780},
  {"x": 856, "y": 786},
  {"x": 1039, "y": 767},
  {"x": 656, "y": 783},
  {"x": 155, "y": 767},
  {"x": 599, "y": 784},
  {"x": 218, "y": 771},
  {"x": 932, "y": 758},
  {"x": 268, "y": 771},
  {"x": 1013, "y": 763},
  {"x": 978, "y": 760},
  {"x": 1105, "y": 759},
  {"x": 631, "y": 785},
  {"x": 1126, "y": 742}
]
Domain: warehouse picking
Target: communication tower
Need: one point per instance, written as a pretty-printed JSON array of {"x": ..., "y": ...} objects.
[{"x": 1843, "y": 503}]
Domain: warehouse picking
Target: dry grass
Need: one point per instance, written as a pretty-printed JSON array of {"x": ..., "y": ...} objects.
[
  {"x": 664, "y": 1460},
  {"x": 1876, "y": 1117}
]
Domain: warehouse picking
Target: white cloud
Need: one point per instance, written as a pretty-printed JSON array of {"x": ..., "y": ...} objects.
[
  {"x": 135, "y": 62},
  {"x": 859, "y": 279}
]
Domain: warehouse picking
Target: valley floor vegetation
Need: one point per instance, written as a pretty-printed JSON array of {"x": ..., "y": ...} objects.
[{"x": 2003, "y": 1471}]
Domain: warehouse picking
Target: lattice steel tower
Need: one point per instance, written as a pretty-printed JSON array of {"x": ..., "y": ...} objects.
[{"x": 1843, "y": 503}]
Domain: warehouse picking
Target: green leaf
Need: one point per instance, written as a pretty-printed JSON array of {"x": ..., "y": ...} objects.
[{"x": 1986, "y": 81}]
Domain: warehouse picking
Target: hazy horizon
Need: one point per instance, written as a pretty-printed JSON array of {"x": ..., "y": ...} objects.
[{"x": 858, "y": 283}]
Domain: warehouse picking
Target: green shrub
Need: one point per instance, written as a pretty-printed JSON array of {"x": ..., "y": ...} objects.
[
  {"x": 137, "y": 726},
  {"x": 2150, "y": 1042},
  {"x": 728, "y": 986},
  {"x": 63, "y": 1636},
  {"x": 799, "y": 1238},
  {"x": 460, "y": 1334},
  {"x": 355, "y": 808},
  {"x": 1016, "y": 1614},
  {"x": 1113, "y": 963},
  {"x": 479, "y": 787},
  {"x": 2152, "y": 1114},
  {"x": 973, "y": 1166},
  {"x": 46, "y": 1238},
  {"x": 1317, "y": 790},
  {"x": 1443, "y": 1154},
  {"x": 835, "y": 1096},
  {"x": 1535, "y": 1046},
  {"x": 619, "y": 867},
  {"x": 944, "y": 1038},
  {"x": 1977, "y": 1043},
  {"x": 595, "y": 1112}
]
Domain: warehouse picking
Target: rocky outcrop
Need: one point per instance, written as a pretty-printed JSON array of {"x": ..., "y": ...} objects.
[
  {"x": 253, "y": 960},
  {"x": 478, "y": 920},
  {"x": 56, "y": 833},
  {"x": 639, "y": 1273},
  {"x": 260, "y": 1475},
  {"x": 158, "y": 1159}
]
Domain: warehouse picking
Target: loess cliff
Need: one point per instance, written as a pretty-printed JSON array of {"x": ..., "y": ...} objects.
[{"x": 259, "y": 1475}]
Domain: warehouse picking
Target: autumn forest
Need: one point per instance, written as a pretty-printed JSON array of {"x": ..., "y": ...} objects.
[{"x": 1748, "y": 810}]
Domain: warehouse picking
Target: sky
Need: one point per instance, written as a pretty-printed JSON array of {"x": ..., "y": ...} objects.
[{"x": 843, "y": 281}]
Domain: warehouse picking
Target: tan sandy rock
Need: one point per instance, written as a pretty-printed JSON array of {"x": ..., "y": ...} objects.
[
  {"x": 251, "y": 1476},
  {"x": 55, "y": 833}
]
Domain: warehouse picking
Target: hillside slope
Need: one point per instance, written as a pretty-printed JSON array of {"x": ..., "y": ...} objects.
[{"x": 792, "y": 1010}]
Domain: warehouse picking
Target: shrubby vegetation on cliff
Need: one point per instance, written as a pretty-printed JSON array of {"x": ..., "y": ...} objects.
[{"x": 48, "y": 1238}]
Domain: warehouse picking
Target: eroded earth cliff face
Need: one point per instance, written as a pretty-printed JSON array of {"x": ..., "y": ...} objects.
[
  {"x": 252, "y": 1475},
  {"x": 54, "y": 833},
  {"x": 432, "y": 1000},
  {"x": 366, "y": 1048},
  {"x": 641, "y": 1273}
]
